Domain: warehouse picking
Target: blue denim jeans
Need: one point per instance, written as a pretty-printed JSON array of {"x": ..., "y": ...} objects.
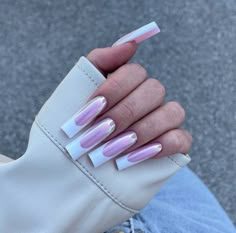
[{"x": 184, "y": 205}]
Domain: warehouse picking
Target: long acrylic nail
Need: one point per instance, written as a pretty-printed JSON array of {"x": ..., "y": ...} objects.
[
  {"x": 84, "y": 116},
  {"x": 112, "y": 148},
  {"x": 138, "y": 155},
  {"x": 140, "y": 34},
  {"x": 90, "y": 138}
]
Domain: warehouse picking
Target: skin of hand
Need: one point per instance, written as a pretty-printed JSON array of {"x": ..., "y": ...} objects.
[{"x": 135, "y": 102}]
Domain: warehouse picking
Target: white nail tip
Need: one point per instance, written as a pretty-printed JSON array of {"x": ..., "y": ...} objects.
[
  {"x": 97, "y": 158},
  {"x": 75, "y": 151},
  {"x": 70, "y": 128},
  {"x": 121, "y": 163},
  {"x": 140, "y": 34}
]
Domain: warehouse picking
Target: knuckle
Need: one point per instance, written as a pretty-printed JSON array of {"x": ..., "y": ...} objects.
[
  {"x": 127, "y": 111},
  {"x": 115, "y": 85},
  {"x": 177, "y": 109}
]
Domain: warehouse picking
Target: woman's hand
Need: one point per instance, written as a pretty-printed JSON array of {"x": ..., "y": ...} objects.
[
  {"x": 75, "y": 195},
  {"x": 128, "y": 113}
]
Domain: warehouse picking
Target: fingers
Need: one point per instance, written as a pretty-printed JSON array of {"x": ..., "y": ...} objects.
[
  {"x": 169, "y": 116},
  {"x": 120, "y": 83},
  {"x": 117, "y": 86},
  {"x": 128, "y": 114},
  {"x": 145, "y": 138},
  {"x": 109, "y": 59},
  {"x": 172, "y": 142},
  {"x": 145, "y": 98}
]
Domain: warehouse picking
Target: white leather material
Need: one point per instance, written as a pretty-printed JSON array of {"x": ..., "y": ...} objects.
[{"x": 45, "y": 191}]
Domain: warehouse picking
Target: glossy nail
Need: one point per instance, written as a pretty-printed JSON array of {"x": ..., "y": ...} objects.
[
  {"x": 112, "y": 148},
  {"x": 140, "y": 34},
  {"x": 84, "y": 116},
  {"x": 138, "y": 155},
  {"x": 90, "y": 138}
]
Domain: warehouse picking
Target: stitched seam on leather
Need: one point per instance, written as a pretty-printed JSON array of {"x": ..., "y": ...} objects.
[
  {"x": 106, "y": 190},
  {"x": 88, "y": 76},
  {"x": 83, "y": 168},
  {"x": 50, "y": 136}
]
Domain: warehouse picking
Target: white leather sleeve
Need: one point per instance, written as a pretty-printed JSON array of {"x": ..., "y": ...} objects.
[{"x": 45, "y": 191}]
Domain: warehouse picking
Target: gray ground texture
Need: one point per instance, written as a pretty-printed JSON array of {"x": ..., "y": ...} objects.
[{"x": 194, "y": 57}]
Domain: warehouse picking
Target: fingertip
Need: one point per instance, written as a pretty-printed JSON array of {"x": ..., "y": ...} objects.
[{"x": 111, "y": 58}]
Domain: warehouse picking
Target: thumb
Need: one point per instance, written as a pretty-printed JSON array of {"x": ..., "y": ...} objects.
[{"x": 111, "y": 58}]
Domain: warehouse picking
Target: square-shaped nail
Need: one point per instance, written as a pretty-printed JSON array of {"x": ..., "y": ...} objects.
[
  {"x": 90, "y": 138},
  {"x": 140, "y": 34},
  {"x": 112, "y": 148},
  {"x": 138, "y": 155},
  {"x": 86, "y": 115}
]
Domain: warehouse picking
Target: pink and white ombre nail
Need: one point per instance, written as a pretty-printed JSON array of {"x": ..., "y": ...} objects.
[
  {"x": 90, "y": 138},
  {"x": 84, "y": 116},
  {"x": 112, "y": 148},
  {"x": 138, "y": 155},
  {"x": 140, "y": 34}
]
